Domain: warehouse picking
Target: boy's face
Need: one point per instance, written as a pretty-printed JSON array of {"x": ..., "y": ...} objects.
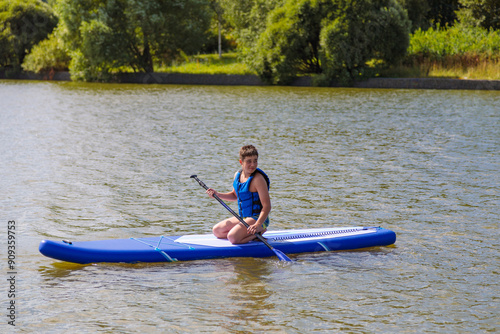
[{"x": 249, "y": 164}]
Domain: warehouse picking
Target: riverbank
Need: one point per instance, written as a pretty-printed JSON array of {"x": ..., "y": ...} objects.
[{"x": 254, "y": 80}]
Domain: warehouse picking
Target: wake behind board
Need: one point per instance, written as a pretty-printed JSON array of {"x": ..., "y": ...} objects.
[{"x": 207, "y": 246}]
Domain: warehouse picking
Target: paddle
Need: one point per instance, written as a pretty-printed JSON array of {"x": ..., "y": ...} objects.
[{"x": 278, "y": 253}]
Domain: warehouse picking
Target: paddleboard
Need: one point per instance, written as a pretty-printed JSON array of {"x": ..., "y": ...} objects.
[{"x": 207, "y": 246}]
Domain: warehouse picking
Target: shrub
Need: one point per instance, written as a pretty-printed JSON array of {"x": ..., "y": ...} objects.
[
  {"x": 49, "y": 54},
  {"x": 331, "y": 39},
  {"x": 456, "y": 41},
  {"x": 23, "y": 24}
]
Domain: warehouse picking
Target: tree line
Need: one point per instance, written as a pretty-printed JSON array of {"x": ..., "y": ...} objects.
[{"x": 279, "y": 39}]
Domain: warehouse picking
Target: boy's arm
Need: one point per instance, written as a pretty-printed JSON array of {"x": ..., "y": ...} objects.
[
  {"x": 230, "y": 196},
  {"x": 261, "y": 186}
]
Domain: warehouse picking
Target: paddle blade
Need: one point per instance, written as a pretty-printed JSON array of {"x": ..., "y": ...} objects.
[{"x": 281, "y": 255}]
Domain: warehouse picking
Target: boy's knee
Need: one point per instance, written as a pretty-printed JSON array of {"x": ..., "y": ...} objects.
[
  {"x": 217, "y": 232},
  {"x": 234, "y": 237}
]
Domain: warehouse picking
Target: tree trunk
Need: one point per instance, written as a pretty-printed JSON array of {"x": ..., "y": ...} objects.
[
  {"x": 220, "y": 39},
  {"x": 147, "y": 57}
]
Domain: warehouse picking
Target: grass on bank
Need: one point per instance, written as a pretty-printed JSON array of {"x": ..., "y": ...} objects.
[
  {"x": 452, "y": 52},
  {"x": 483, "y": 70},
  {"x": 457, "y": 67},
  {"x": 450, "y": 67},
  {"x": 229, "y": 63},
  {"x": 442, "y": 52}
]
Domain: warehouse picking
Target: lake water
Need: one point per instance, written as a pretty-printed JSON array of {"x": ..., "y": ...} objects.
[{"x": 97, "y": 161}]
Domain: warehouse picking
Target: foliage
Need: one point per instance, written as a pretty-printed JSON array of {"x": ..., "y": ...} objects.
[
  {"x": 430, "y": 13},
  {"x": 290, "y": 43},
  {"x": 247, "y": 18},
  {"x": 49, "y": 54},
  {"x": 459, "y": 51},
  {"x": 106, "y": 35},
  {"x": 351, "y": 40},
  {"x": 418, "y": 11},
  {"x": 442, "y": 12},
  {"x": 23, "y": 23},
  {"x": 459, "y": 40},
  {"x": 332, "y": 38},
  {"x": 218, "y": 28},
  {"x": 484, "y": 13},
  {"x": 279, "y": 39}
]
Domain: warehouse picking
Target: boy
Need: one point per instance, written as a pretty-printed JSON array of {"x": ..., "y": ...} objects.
[{"x": 251, "y": 190}]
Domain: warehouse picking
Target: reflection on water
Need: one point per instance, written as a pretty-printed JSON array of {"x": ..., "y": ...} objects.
[
  {"x": 90, "y": 161},
  {"x": 249, "y": 296},
  {"x": 59, "y": 270}
]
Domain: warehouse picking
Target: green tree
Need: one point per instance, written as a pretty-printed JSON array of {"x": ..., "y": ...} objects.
[
  {"x": 431, "y": 13},
  {"x": 23, "y": 23},
  {"x": 108, "y": 35},
  {"x": 484, "y": 13},
  {"x": 248, "y": 18},
  {"x": 49, "y": 54},
  {"x": 418, "y": 11},
  {"x": 443, "y": 12},
  {"x": 290, "y": 44},
  {"x": 350, "y": 40},
  {"x": 329, "y": 38},
  {"x": 220, "y": 37}
]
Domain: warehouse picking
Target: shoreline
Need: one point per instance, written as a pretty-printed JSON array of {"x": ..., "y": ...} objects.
[{"x": 254, "y": 80}]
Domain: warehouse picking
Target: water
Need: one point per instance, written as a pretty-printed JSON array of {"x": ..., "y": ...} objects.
[{"x": 90, "y": 161}]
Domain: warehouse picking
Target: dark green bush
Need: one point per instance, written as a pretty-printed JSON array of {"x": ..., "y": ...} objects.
[
  {"x": 23, "y": 24},
  {"x": 331, "y": 38}
]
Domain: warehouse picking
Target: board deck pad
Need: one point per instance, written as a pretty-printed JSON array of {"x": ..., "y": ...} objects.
[
  {"x": 207, "y": 246},
  {"x": 289, "y": 235}
]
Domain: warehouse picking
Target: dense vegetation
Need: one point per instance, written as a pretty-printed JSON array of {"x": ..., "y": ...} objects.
[
  {"x": 277, "y": 39},
  {"x": 458, "y": 51},
  {"x": 332, "y": 39},
  {"x": 23, "y": 24}
]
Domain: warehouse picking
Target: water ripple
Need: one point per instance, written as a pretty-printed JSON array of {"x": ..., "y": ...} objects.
[{"x": 91, "y": 161}]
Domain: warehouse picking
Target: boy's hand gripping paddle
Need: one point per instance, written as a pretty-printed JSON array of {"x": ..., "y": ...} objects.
[{"x": 278, "y": 253}]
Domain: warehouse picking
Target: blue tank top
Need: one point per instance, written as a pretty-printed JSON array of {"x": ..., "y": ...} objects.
[{"x": 249, "y": 204}]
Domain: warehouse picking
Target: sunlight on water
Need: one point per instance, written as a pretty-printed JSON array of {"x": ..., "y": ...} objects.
[{"x": 92, "y": 161}]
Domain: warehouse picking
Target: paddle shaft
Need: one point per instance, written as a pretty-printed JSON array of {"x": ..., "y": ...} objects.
[{"x": 261, "y": 238}]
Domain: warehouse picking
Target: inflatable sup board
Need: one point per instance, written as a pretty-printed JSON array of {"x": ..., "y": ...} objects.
[{"x": 207, "y": 246}]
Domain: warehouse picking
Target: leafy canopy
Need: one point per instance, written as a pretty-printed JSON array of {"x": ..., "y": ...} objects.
[
  {"x": 329, "y": 38},
  {"x": 23, "y": 23},
  {"x": 106, "y": 35},
  {"x": 483, "y": 13},
  {"x": 49, "y": 54}
]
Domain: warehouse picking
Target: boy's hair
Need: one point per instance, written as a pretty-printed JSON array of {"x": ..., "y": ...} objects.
[{"x": 248, "y": 151}]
